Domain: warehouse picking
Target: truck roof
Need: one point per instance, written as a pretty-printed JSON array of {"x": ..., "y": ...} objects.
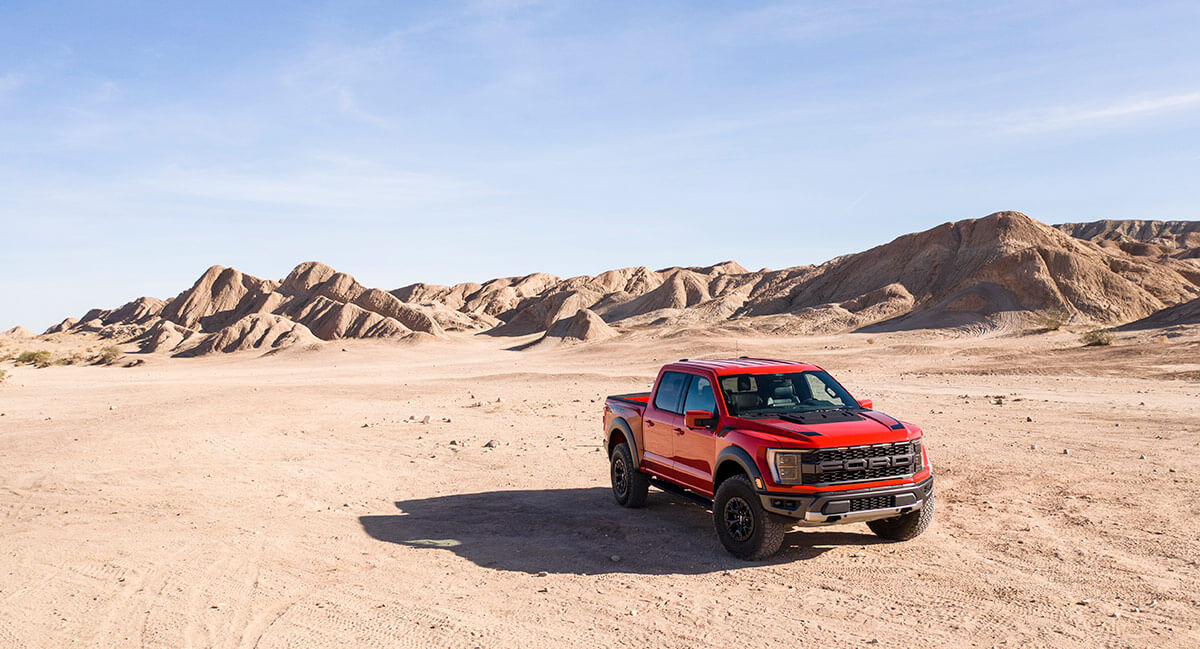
[{"x": 743, "y": 365}]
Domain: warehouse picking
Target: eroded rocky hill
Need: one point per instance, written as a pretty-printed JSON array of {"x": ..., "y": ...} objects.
[{"x": 1001, "y": 267}]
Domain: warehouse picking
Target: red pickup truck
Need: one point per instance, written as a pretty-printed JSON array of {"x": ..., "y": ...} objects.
[{"x": 768, "y": 444}]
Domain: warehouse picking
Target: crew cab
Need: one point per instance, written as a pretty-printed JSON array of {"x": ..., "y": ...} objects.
[{"x": 768, "y": 444}]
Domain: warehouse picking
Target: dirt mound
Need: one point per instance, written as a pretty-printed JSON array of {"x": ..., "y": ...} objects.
[
  {"x": 1180, "y": 314},
  {"x": 19, "y": 332},
  {"x": 584, "y": 326},
  {"x": 255, "y": 331}
]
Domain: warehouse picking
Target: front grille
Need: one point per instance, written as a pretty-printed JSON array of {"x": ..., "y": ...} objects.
[
  {"x": 873, "y": 502},
  {"x": 861, "y": 463}
]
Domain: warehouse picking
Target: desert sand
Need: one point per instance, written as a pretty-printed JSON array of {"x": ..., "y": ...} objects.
[{"x": 297, "y": 499}]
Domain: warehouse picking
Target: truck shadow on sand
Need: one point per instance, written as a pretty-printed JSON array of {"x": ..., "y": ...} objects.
[{"x": 580, "y": 531}]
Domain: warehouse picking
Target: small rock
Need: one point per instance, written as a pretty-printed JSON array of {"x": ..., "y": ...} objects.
[
  {"x": 1066, "y": 451},
  {"x": 446, "y": 419},
  {"x": 615, "y": 558},
  {"x": 499, "y": 399},
  {"x": 1141, "y": 457},
  {"x": 366, "y": 425},
  {"x": 426, "y": 419},
  {"x": 1172, "y": 470},
  {"x": 1033, "y": 447},
  {"x": 1029, "y": 419},
  {"x": 543, "y": 574},
  {"x": 112, "y": 407},
  {"x": 491, "y": 443},
  {"x": 345, "y": 350},
  {"x": 454, "y": 442}
]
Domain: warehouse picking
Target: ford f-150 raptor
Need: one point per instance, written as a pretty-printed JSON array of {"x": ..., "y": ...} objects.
[{"x": 768, "y": 444}]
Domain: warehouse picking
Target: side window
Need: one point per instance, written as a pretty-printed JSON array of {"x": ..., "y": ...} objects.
[
  {"x": 670, "y": 388},
  {"x": 700, "y": 396}
]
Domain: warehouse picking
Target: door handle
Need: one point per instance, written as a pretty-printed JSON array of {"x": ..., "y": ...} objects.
[
  {"x": 650, "y": 424},
  {"x": 680, "y": 432}
]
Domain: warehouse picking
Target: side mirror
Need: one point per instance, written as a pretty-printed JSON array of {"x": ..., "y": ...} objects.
[
  {"x": 866, "y": 403},
  {"x": 699, "y": 419}
]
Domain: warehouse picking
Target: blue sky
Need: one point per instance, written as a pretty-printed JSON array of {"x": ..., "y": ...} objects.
[{"x": 141, "y": 142}]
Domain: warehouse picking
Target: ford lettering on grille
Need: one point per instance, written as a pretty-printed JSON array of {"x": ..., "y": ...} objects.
[
  {"x": 862, "y": 464},
  {"x": 859, "y": 463}
]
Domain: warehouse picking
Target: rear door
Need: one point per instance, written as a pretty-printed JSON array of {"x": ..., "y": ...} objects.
[
  {"x": 662, "y": 421},
  {"x": 695, "y": 447}
]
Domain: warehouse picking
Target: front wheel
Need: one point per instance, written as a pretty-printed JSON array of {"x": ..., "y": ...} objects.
[
  {"x": 744, "y": 527},
  {"x": 629, "y": 485},
  {"x": 903, "y": 528}
]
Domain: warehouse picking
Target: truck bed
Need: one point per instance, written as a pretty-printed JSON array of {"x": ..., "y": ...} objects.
[{"x": 635, "y": 398}]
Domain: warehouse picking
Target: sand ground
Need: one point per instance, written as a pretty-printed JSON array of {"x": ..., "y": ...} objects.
[{"x": 239, "y": 501}]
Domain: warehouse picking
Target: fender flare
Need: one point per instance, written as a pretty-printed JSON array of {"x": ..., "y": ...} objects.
[
  {"x": 620, "y": 424},
  {"x": 742, "y": 458}
]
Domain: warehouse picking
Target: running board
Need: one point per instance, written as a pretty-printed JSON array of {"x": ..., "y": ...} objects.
[{"x": 676, "y": 490}]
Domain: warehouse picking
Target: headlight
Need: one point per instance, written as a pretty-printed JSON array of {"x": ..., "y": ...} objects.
[
  {"x": 785, "y": 466},
  {"x": 919, "y": 458}
]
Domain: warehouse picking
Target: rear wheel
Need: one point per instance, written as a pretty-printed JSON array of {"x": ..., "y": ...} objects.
[
  {"x": 744, "y": 527},
  {"x": 903, "y": 528},
  {"x": 629, "y": 485}
]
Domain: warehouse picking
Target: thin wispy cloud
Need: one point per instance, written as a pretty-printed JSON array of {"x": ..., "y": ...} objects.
[
  {"x": 1069, "y": 117},
  {"x": 349, "y": 191}
]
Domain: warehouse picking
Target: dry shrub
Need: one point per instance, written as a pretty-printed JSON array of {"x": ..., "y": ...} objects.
[
  {"x": 1052, "y": 319},
  {"x": 74, "y": 358},
  {"x": 3, "y": 376},
  {"x": 40, "y": 358},
  {"x": 108, "y": 355},
  {"x": 1098, "y": 337}
]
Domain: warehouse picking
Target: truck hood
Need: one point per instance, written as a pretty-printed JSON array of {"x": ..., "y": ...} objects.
[{"x": 848, "y": 429}]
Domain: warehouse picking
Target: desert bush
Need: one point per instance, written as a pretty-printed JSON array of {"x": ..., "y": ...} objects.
[
  {"x": 74, "y": 358},
  {"x": 3, "y": 376},
  {"x": 1097, "y": 337},
  {"x": 108, "y": 355},
  {"x": 1052, "y": 319},
  {"x": 40, "y": 358}
]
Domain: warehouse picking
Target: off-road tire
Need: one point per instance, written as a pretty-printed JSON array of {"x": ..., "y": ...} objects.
[
  {"x": 629, "y": 485},
  {"x": 746, "y": 529},
  {"x": 908, "y": 526}
]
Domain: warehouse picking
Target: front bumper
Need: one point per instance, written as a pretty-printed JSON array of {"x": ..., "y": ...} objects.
[{"x": 851, "y": 506}]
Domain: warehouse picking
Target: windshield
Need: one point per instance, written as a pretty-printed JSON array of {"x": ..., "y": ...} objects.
[{"x": 771, "y": 395}]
